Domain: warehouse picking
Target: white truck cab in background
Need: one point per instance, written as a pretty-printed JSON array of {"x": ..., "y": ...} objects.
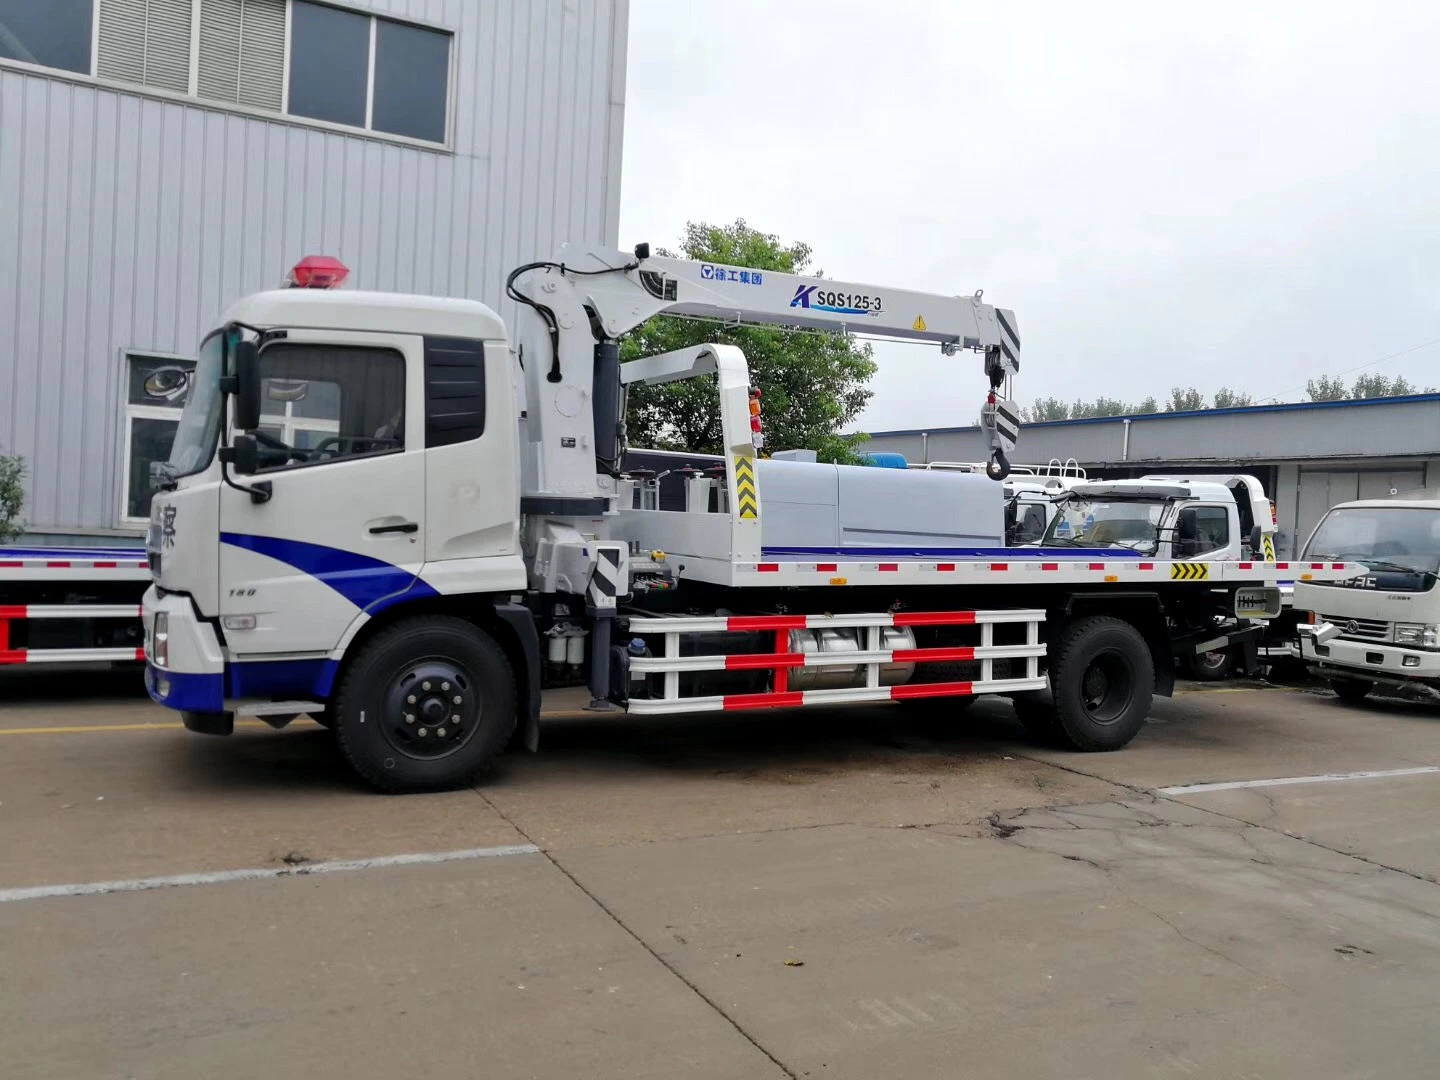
[
  {"x": 1382, "y": 629},
  {"x": 1168, "y": 517}
]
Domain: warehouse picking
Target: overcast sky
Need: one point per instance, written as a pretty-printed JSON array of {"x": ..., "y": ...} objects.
[{"x": 1241, "y": 195}]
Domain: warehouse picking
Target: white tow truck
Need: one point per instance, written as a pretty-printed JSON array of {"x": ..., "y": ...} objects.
[
  {"x": 1383, "y": 628},
  {"x": 413, "y": 579}
]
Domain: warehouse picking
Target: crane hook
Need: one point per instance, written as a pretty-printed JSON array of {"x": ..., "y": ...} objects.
[{"x": 998, "y": 467}]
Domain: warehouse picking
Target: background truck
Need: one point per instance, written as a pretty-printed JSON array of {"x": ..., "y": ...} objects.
[
  {"x": 414, "y": 579},
  {"x": 1383, "y": 627},
  {"x": 71, "y": 605}
]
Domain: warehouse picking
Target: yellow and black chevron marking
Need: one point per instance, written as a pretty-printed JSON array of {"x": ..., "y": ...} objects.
[
  {"x": 1189, "y": 571},
  {"x": 1269, "y": 548},
  {"x": 746, "y": 497}
]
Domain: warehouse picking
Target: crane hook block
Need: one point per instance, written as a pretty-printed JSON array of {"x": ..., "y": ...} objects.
[{"x": 998, "y": 467}]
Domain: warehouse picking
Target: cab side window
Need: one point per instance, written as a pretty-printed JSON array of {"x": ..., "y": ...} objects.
[
  {"x": 325, "y": 403},
  {"x": 1201, "y": 529}
]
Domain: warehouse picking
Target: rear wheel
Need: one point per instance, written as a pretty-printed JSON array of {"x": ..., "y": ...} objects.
[
  {"x": 1103, "y": 680},
  {"x": 1351, "y": 691},
  {"x": 1210, "y": 666},
  {"x": 426, "y": 705}
]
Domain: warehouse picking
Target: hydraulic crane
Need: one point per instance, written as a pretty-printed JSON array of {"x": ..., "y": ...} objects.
[{"x": 579, "y": 305}]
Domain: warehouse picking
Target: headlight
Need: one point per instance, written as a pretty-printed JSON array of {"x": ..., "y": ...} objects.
[
  {"x": 1426, "y": 635},
  {"x": 160, "y": 645}
]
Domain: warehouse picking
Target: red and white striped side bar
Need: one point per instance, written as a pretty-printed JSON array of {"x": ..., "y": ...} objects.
[
  {"x": 13, "y": 613},
  {"x": 784, "y": 660},
  {"x": 795, "y": 699},
  {"x": 73, "y": 569},
  {"x": 1030, "y": 571},
  {"x": 699, "y": 624}
]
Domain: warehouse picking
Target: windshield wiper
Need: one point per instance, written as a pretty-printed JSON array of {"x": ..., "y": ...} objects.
[
  {"x": 1375, "y": 564},
  {"x": 1390, "y": 567},
  {"x": 1064, "y": 541}
]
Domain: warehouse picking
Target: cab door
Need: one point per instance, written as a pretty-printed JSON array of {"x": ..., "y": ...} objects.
[{"x": 343, "y": 531}]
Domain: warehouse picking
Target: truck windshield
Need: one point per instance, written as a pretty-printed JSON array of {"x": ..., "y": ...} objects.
[
  {"x": 200, "y": 422},
  {"x": 1092, "y": 523},
  {"x": 1407, "y": 537}
]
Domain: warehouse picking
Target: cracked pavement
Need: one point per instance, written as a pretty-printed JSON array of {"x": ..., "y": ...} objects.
[{"x": 842, "y": 894}]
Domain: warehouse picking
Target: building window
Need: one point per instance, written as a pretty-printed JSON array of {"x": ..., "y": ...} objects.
[
  {"x": 51, "y": 33},
  {"x": 156, "y": 389},
  {"x": 146, "y": 42},
  {"x": 329, "y": 63},
  {"x": 366, "y": 71},
  {"x": 412, "y": 80},
  {"x": 242, "y": 53},
  {"x": 323, "y": 61}
]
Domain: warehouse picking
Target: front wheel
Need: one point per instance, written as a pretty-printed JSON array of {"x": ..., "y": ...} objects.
[
  {"x": 425, "y": 705},
  {"x": 1351, "y": 691},
  {"x": 1103, "y": 680}
]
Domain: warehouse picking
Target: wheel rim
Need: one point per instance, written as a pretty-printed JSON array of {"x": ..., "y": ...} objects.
[
  {"x": 1107, "y": 686},
  {"x": 1212, "y": 660},
  {"x": 432, "y": 709}
]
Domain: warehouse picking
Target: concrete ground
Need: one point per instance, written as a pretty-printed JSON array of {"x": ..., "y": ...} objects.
[{"x": 846, "y": 894}]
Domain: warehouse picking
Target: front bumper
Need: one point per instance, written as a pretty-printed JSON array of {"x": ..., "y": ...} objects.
[
  {"x": 193, "y": 679},
  {"x": 1317, "y": 645}
]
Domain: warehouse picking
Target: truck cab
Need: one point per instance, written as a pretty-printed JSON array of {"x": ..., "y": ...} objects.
[
  {"x": 1164, "y": 518},
  {"x": 1382, "y": 629}
]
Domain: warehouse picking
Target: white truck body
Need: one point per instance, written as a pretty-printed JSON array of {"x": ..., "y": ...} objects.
[
  {"x": 1382, "y": 628},
  {"x": 399, "y": 573}
]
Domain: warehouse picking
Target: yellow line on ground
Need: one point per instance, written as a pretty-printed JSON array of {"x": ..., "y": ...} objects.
[{"x": 1240, "y": 690}]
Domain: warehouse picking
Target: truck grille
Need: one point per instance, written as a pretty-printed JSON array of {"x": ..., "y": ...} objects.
[{"x": 1360, "y": 629}]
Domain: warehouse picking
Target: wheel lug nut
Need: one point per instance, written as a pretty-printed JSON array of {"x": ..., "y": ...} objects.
[
  {"x": 425, "y": 685},
  {"x": 409, "y": 717},
  {"x": 457, "y": 699},
  {"x": 410, "y": 700},
  {"x": 440, "y": 732},
  {"x": 444, "y": 686},
  {"x": 456, "y": 718},
  {"x": 422, "y": 733}
]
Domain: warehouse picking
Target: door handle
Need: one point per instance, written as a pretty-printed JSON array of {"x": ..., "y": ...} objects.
[{"x": 403, "y": 527}]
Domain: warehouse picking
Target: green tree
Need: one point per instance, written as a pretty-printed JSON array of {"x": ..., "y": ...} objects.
[
  {"x": 1326, "y": 388},
  {"x": 1044, "y": 410},
  {"x": 12, "y": 496},
  {"x": 1149, "y": 405},
  {"x": 812, "y": 385},
  {"x": 1225, "y": 398},
  {"x": 1377, "y": 386},
  {"x": 1185, "y": 400},
  {"x": 1101, "y": 406}
]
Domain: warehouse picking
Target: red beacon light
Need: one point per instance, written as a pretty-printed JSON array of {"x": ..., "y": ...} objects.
[{"x": 318, "y": 272}]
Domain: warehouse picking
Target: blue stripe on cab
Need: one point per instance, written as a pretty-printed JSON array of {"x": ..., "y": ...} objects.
[{"x": 366, "y": 582}]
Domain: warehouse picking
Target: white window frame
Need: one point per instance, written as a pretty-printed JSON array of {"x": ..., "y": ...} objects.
[
  {"x": 129, "y": 412},
  {"x": 193, "y": 99}
]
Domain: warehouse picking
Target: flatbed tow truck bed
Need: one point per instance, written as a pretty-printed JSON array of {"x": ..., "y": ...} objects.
[{"x": 66, "y": 605}]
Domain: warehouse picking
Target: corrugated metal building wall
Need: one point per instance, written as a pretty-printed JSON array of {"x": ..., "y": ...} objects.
[
  {"x": 129, "y": 217},
  {"x": 1310, "y": 455}
]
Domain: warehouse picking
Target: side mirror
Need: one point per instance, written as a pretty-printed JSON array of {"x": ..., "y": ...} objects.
[
  {"x": 1257, "y": 540},
  {"x": 247, "y": 388},
  {"x": 245, "y": 453}
]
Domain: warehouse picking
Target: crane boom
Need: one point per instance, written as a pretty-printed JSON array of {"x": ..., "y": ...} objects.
[{"x": 586, "y": 299}]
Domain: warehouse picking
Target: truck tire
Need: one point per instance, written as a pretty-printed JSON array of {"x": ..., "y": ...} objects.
[
  {"x": 1351, "y": 691},
  {"x": 1210, "y": 666},
  {"x": 395, "y": 708},
  {"x": 1103, "y": 679}
]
